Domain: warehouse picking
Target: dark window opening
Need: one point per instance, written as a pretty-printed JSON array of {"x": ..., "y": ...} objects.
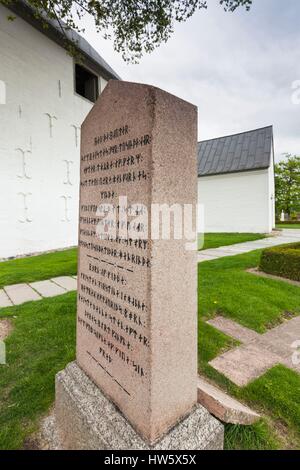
[{"x": 86, "y": 83}]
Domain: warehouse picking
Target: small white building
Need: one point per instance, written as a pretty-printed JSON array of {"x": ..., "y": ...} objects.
[
  {"x": 236, "y": 182},
  {"x": 45, "y": 94}
]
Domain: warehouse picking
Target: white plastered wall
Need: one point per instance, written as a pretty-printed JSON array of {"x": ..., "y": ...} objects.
[
  {"x": 238, "y": 202},
  {"x": 40, "y": 118}
]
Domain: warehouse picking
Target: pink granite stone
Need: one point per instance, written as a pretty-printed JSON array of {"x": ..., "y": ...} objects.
[
  {"x": 137, "y": 322},
  {"x": 245, "y": 363}
]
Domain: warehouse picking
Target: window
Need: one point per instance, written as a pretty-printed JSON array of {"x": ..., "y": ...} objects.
[{"x": 86, "y": 83}]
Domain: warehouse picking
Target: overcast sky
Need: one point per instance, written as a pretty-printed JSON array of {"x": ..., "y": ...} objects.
[{"x": 238, "y": 68}]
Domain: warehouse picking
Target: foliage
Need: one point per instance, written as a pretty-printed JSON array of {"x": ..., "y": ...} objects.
[
  {"x": 137, "y": 26},
  {"x": 287, "y": 185},
  {"x": 283, "y": 260}
]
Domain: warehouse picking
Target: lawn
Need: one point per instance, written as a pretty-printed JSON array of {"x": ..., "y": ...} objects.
[
  {"x": 43, "y": 342},
  {"x": 40, "y": 267},
  {"x": 291, "y": 226},
  {"x": 214, "y": 240},
  {"x": 256, "y": 302},
  {"x": 225, "y": 288}
]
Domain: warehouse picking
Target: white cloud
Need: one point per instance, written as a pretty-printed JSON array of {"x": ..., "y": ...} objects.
[{"x": 237, "y": 68}]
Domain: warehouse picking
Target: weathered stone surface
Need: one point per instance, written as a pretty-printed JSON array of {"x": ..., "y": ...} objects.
[
  {"x": 138, "y": 142},
  {"x": 216, "y": 252},
  {"x": 245, "y": 363},
  {"x": 279, "y": 340},
  {"x": 20, "y": 293},
  {"x": 233, "y": 329},
  {"x": 66, "y": 282},
  {"x": 205, "y": 258},
  {"x": 258, "y": 352},
  {"x": 47, "y": 288},
  {"x": 224, "y": 407},
  {"x": 4, "y": 299},
  {"x": 86, "y": 419}
]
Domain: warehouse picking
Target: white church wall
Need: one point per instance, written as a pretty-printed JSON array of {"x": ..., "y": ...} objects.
[
  {"x": 271, "y": 182},
  {"x": 236, "y": 202},
  {"x": 40, "y": 122}
]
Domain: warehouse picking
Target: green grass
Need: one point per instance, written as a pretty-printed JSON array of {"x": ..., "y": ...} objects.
[
  {"x": 282, "y": 402},
  {"x": 41, "y": 344},
  {"x": 275, "y": 395},
  {"x": 211, "y": 343},
  {"x": 291, "y": 226},
  {"x": 214, "y": 240},
  {"x": 256, "y": 302},
  {"x": 208, "y": 349},
  {"x": 225, "y": 288},
  {"x": 255, "y": 437},
  {"x": 40, "y": 267}
]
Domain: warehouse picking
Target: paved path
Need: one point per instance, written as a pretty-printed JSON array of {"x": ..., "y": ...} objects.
[
  {"x": 285, "y": 236},
  {"x": 17, "y": 294},
  {"x": 257, "y": 353}
]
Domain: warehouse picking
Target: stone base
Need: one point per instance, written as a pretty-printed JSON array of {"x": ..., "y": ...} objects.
[{"x": 85, "y": 419}]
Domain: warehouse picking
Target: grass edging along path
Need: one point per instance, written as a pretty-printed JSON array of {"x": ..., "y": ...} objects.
[
  {"x": 39, "y": 267},
  {"x": 288, "y": 226},
  {"x": 215, "y": 240},
  {"x": 226, "y": 288}
]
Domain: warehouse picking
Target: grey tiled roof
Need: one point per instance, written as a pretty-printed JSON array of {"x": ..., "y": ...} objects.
[
  {"x": 55, "y": 32},
  {"x": 234, "y": 153}
]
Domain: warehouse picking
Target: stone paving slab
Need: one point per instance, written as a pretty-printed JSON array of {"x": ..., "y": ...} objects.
[
  {"x": 245, "y": 363},
  {"x": 238, "y": 249},
  {"x": 278, "y": 346},
  {"x": 206, "y": 258},
  {"x": 47, "y": 288},
  {"x": 244, "y": 246},
  {"x": 4, "y": 299},
  {"x": 206, "y": 255},
  {"x": 285, "y": 236},
  {"x": 259, "y": 352},
  {"x": 293, "y": 364},
  {"x": 280, "y": 339},
  {"x": 224, "y": 407},
  {"x": 20, "y": 293},
  {"x": 215, "y": 252},
  {"x": 67, "y": 282},
  {"x": 233, "y": 329}
]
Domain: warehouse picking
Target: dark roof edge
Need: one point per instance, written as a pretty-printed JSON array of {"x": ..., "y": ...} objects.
[
  {"x": 91, "y": 57},
  {"x": 238, "y": 133},
  {"x": 248, "y": 170}
]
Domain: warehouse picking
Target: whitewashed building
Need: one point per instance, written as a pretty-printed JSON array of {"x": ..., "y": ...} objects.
[
  {"x": 45, "y": 94},
  {"x": 236, "y": 182}
]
